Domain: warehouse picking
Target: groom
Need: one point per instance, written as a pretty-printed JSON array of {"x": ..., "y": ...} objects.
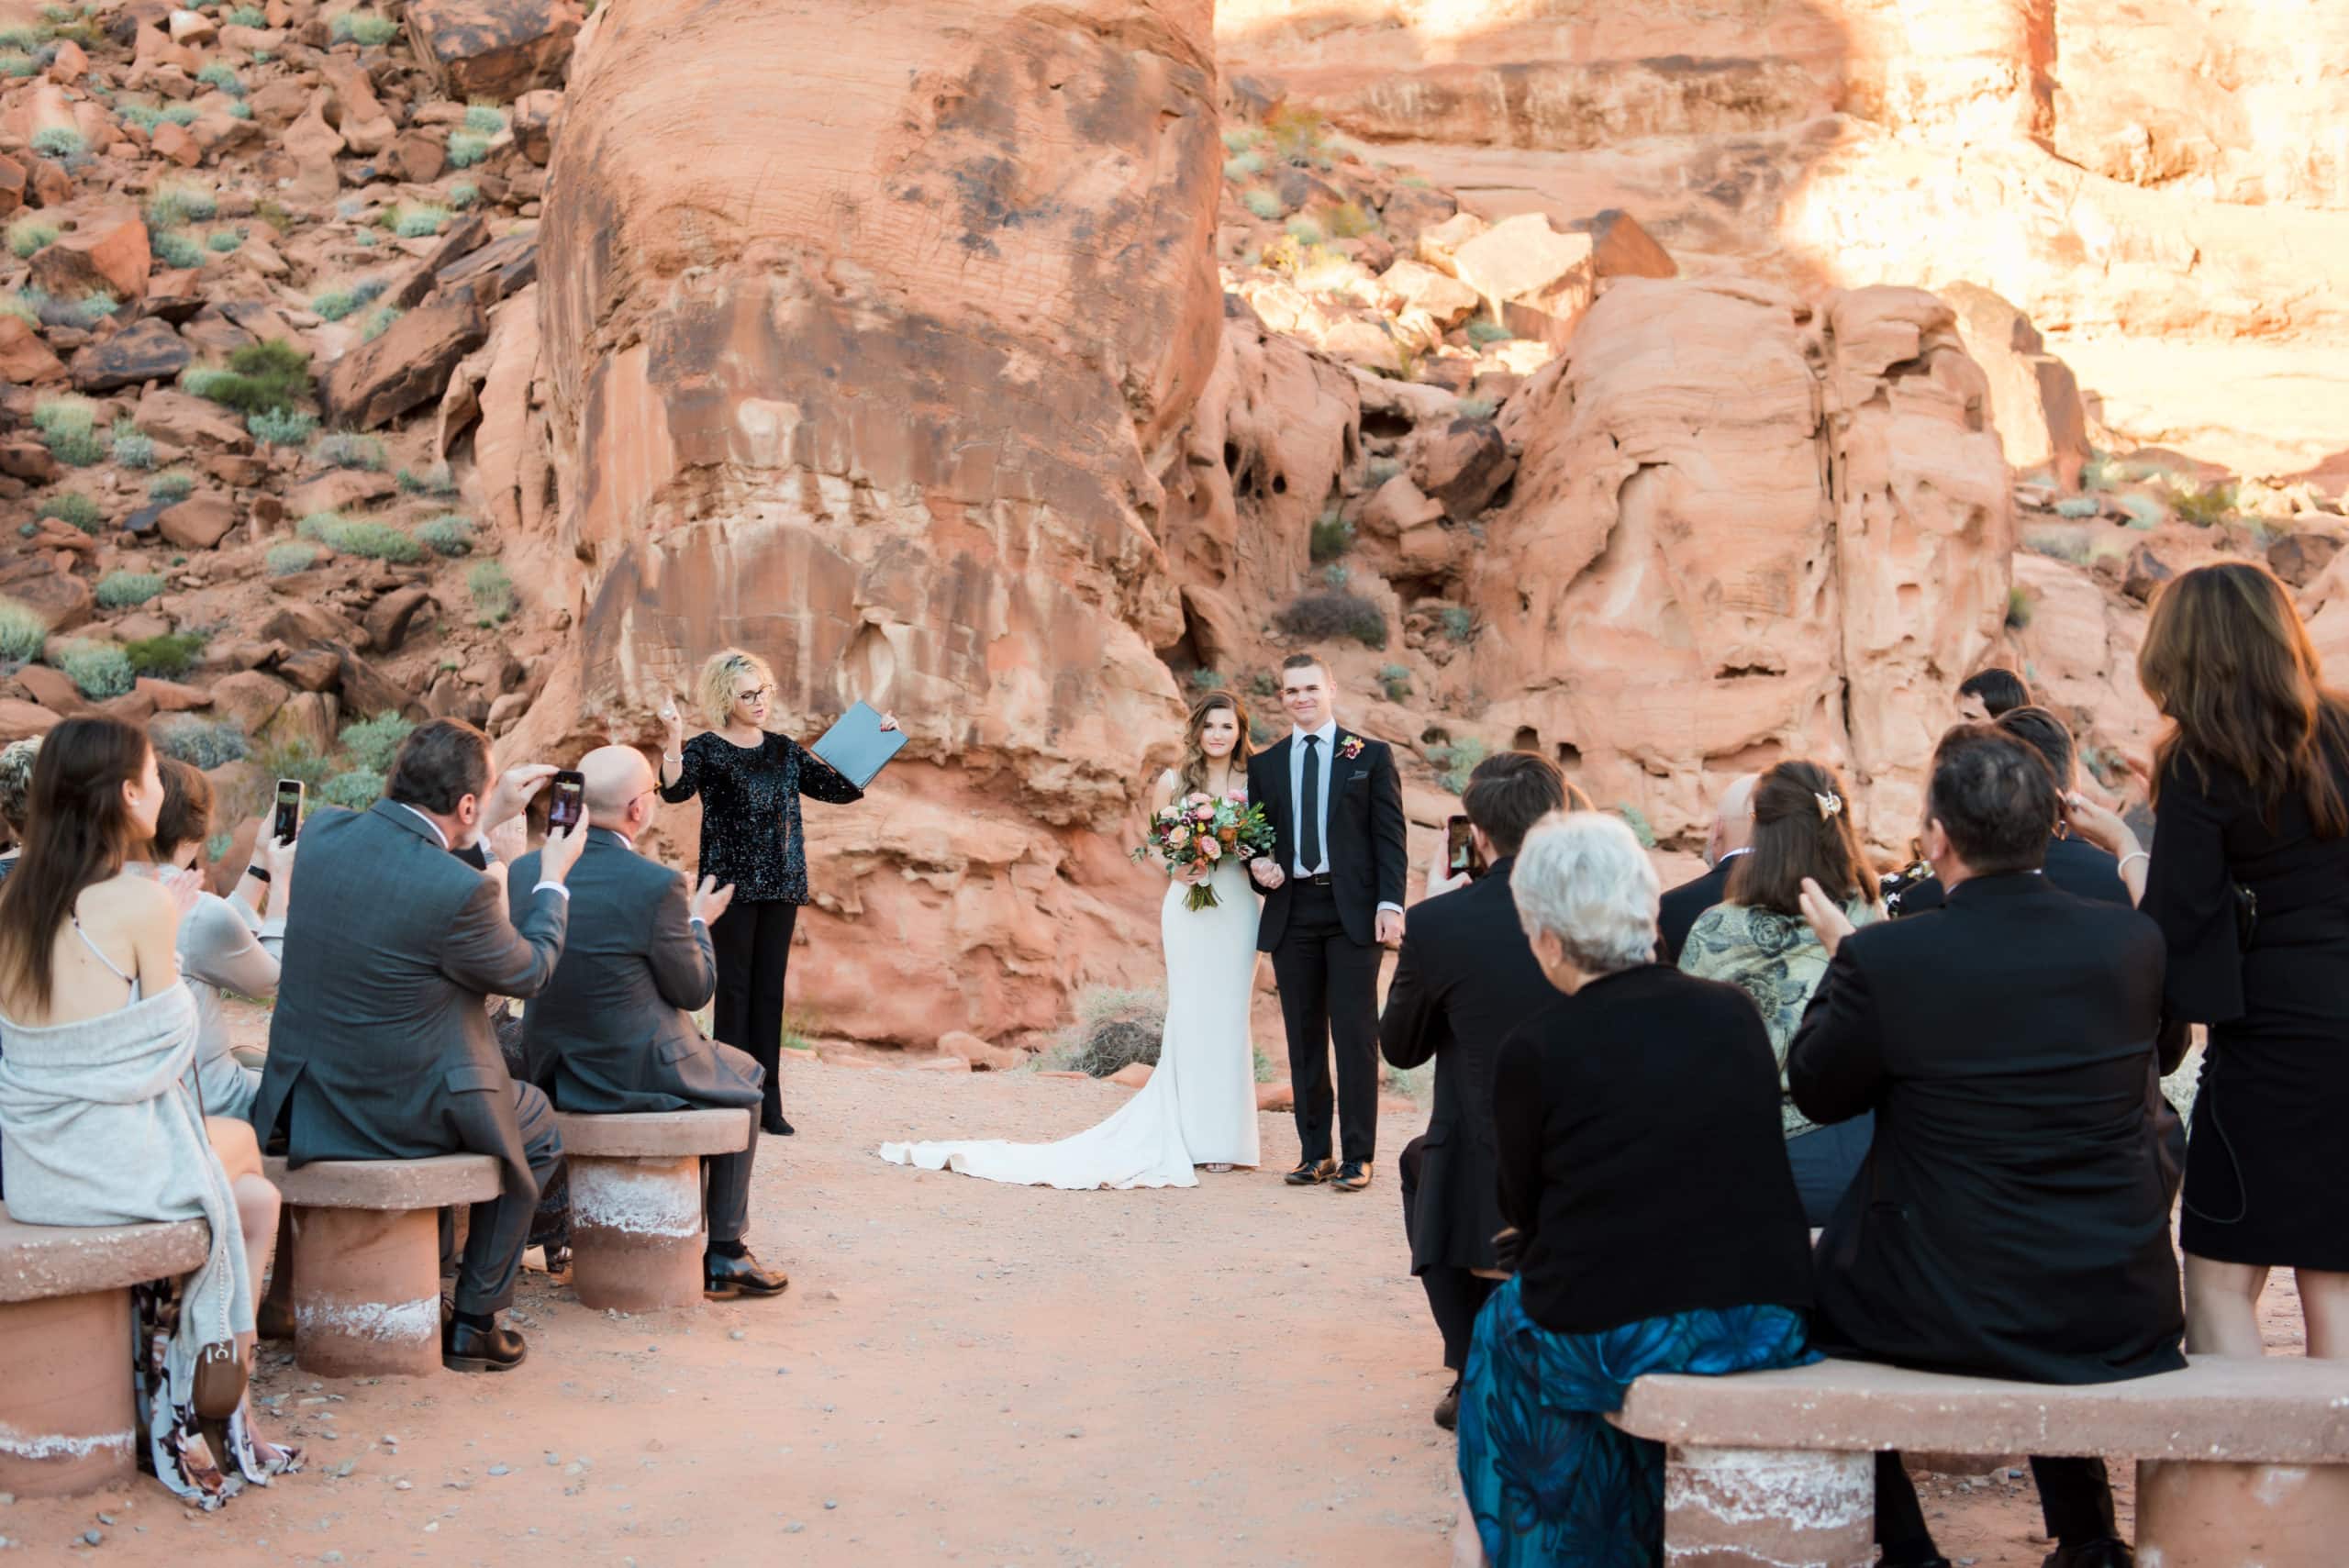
[{"x": 1333, "y": 896}]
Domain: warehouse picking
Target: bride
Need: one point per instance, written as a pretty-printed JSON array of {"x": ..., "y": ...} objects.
[{"x": 1199, "y": 1106}]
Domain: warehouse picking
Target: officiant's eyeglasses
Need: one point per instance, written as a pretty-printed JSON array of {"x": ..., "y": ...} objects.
[{"x": 756, "y": 693}]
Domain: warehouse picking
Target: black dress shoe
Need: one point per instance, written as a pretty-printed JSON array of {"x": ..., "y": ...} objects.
[
  {"x": 775, "y": 1126},
  {"x": 465, "y": 1348},
  {"x": 1353, "y": 1175},
  {"x": 1312, "y": 1172},
  {"x": 273, "y": 1320},
  {"x": 724, "y": 1278},
  {"x": 2105, "y": 1553},
  {"x": 1447, "y": 1409}
]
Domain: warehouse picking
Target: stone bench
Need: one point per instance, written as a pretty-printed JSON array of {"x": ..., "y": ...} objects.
[
  {"x": 68, "y": 1419},
  {"x": 2241, "y": 1462},
  {"x": 366, "y": 1268},
  {"x": 636, "y": 1206}
]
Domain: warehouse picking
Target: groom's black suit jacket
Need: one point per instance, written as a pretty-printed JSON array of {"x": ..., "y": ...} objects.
[{"x": 1368, "y": 843}]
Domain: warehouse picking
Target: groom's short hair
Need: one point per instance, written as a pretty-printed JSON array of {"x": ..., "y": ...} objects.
[
  {"x": 1305, "y": 661},
  {"x": 1508, "y": 794}
]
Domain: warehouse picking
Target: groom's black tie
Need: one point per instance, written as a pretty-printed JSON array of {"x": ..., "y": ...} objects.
[{"x": 1309, "y": 828}]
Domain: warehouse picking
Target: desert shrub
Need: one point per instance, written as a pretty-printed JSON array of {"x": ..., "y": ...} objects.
[
  {"x": 170, "y": 489},
  {"x": 1459, "y": 622},
  {"x": 1261, "y": 202},
  {"x": 363, "y": 27},
  {"x": 20, "y": 39},
  {"x": 1332, "y": 536},
  {"x": 295, "y": 758},
  {"x": 87, "y": 311},
  {"x": 68, "y": 425},
  {"x": 1262, "y": 1064},
  {"x": 1454, "y": 761},
  {"x": 282, "y": 427},
  {"x": 1333, "y": 612},
  {"x": 1207, "y": 679},
  {"x": 493, "y": 593},
  {"x": 466, "y": 149},
  {"x": 223, "y": 240},
  {"x": 484, "y": 119},
  {"x": 337, "y": 303},
  {"x": 360, "y": 537},
  {"x": 449, "y": 534},
  {"x": 176, "y": 202},
  {"x": 1241, "y": 137},
  {"x": 121, "y": 590},
  {"x": 23, "y": 630},
  {"x": 1114, "y": 1029},
  {"x": 258, "y": 377},
  {"x": 19, "y": 65},
  {"x": 463, "y": 193},
  {"x": 379, "y": 323},
  {"x": 59, "y": 141},
  {"x": 1414, "y": 1084},
  {"x": 1474, "y": 408},
  {"x": 1243, "y": 166},
  {"x": 168, "y": 656},
  {"x": 364, "y": 239},
  {"x": 175, "y": 250},
  {"x": 1483, "y": 330},
  {"x": 1350, "y": 221},
  {"x": 434, "y": 481},
  {"x": 356, "y": 790},
  {"x": 2077, "y": 506},
  {"x": 240, "y": 110},
  {"x": 1382, "y": 469},
  {"x": 285, "y": 559},
  {"x": 248, "y": 16},
  {"x": 418, "y": 222},
  {"x": 1296, "y": 133},
  {"x": 2018, "y": 608},
  {"x": 74, "y": 508},
  {"x": 23, "y": 309},
  {"x": 274, "y": 214},
  {"x": 2145, "y": 514},
  {"x": 2099, "y": 473},
  {"x": 132, "y": 447},
  {"x": 29, "y": 235},
  {"x": 1263, "y": 683},
  {"x": 1336, "y": 575},
  {"x": 1395, "y": 681},
  {"x": 348, "y": 449},
  {"x": 372, "y": 741},
  {"x": 199, "y": 742},
  {"x": 2205, "y": 505},
  {"x": 1637, "y": 821},
  {"x": 222, "y": 75},
  {"x": 98, "y": 669},
  {"x": 1304, "y": 230},
  {"x": 2057, "y": 544}
]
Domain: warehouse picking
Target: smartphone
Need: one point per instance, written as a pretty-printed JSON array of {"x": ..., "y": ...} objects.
[
  {"x": 287, "y": 822},
  {"x": 1459, "y": 848},
  {"x": 566, "y": 800}
]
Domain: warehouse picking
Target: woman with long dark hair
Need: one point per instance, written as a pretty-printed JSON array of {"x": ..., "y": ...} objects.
[
  {"x": 750, "y": 781},
  {"x": 1759, "y": 942},
  {"x": 1199, "y": 1110},
  {"x": 97, "y": 1043},
  {"x": 2249, "y": 881}
]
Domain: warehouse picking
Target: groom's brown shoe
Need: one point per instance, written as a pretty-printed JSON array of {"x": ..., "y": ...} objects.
[
  {"x": 1312, "y": 1172},
  {"x": 1352, "y": 1177}
]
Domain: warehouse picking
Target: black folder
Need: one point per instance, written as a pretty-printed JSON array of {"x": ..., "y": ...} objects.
[{"x": 857, "y": 748}]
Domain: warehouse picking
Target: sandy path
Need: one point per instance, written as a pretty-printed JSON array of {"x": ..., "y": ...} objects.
[{"x": 962, "y": 1373}]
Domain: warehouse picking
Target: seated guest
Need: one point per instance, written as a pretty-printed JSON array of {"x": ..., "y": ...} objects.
[
  {"x": 1758, "y": 941},
  {"x": 1465, "y": 980},
  {"x": 1732, "y": 830},
  {"x": 380, "y": 1046},
  {"x": 613, "y": 1024},
  {"x": 16, "y": 783},
  {"x": 100, "y": 1127},
  {"x": 2072, "y": 863},
  {"x": 2010, "y": 1221},
  {"x": 1637, "y": 1124},
  {"x": 223, "y": 944},
  {"x": 1986, "y": 694}
]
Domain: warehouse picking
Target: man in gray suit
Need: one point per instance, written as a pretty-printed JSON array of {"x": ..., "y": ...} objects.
[
  {"x": 381, "y": 1047},
  {"x": 612, "y": 1025}
]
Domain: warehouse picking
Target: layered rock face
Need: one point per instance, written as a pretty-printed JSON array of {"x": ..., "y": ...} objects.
[
  {"x": 880, "y": 392},
  {"x": 1688, "y": 585}
]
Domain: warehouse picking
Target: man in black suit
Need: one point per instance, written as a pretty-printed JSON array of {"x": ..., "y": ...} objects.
[
  {"x": 380, "y": 1046},
  {"x": 1677, "y": 910},
  {"x": 2009, "y": 1220},
  {"x": 1333, "y": 896},
  {"x": 2073, "y": 864},
  {"x": 613, "y": 1024},
  {"x": 1988, "y": 694},
  {"x": 1466, "y": 978}
]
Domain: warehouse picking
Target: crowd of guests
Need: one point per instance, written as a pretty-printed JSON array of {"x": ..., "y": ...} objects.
[
  {"x": 1794, "y": 1107},
  {"x": 391, "y": 940}
]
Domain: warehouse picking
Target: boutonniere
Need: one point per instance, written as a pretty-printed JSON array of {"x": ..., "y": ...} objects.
[{"x": 1352, "y": 749}]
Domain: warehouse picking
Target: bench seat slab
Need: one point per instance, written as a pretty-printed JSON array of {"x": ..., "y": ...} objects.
[{"x": 655, "y": 1135}]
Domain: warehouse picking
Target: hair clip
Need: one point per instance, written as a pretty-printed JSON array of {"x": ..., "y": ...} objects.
[{"x": 1829, "y": 804}]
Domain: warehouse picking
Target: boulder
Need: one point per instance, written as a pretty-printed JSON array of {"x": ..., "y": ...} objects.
[
  {"x": 199, "y": 522},
  {"x": 172, "y": 696},
  {"x": 982, "y": 1057},
  {"x": 249, "y": 698},
  {"x": 2034, "y": 398},
  {"x": 388, "y": 618},
  {"x": 188, "y": 421},
  {"x": 1619, "y": 248},
  {"x": 359, "y": 117},
  {"x": 533, "y": 119},
  {"x": 1444, "y": 299},
  {"x": 177, "y": 143},
  {"x": 146, "y": 351},
  {"x": 308, "y": 718},
  {"x": 312, "y": 670},
  {"x": 302, "y": 623},
  {"x": 2299, "y": 558},
  {"x": 367, "y": 690},
  {"x": 107, "y": 254},
  {"x": 24, "y": 357},
  {"x": 19, "y": 720},
  {"x": 339, "y": 490},
  {"x": 1438, "y": 244},
  {"x": 1412, "y": 208},
  {"x": 64, "y": 600},
  {"x": 494, "y": 49},
  {"x": 405, "y": 368},
  {"x": 53, "y": 689},
  {"x": 314, "y": 145},
  {"x": 1398, "y": 506},
  {"x": 1519, "y": 258},
  {"x": 13, "y": 184},
  {"x": 27, "y": 459},
  {"x": 1461, "y": 466},
  {"x": 133, "y": 706},
  {"x": 418, "y": 156}
]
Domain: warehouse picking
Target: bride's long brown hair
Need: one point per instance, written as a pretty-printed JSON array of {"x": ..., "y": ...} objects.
[{"x": 1191, "y": 775}]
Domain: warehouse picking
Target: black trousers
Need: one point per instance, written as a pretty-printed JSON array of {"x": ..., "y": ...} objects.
[
  {"x": 2075, "y": 1496},
  {"x": 752, "y": 942},
  {"x": 726, "y": 1178},
  {"x": 1454, "y": 1294},
  {"x": 498, "y": 1228},
  {"x": 1328, "y": 986}
]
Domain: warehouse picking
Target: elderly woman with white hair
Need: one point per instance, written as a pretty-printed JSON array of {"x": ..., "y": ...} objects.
[{"x": 1659, "y": 1229}]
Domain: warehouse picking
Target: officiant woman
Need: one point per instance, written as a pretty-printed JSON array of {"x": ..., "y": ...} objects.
[{"x": 750, "y": 780}]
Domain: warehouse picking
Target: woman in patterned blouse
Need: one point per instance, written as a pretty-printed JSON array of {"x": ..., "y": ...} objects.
[
  {"x": 750, "y": 782},
  {"x": 1759, "y": 942}
]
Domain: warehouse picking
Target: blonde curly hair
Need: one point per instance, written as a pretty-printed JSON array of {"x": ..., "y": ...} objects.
[{"x": 719, "y": 676}]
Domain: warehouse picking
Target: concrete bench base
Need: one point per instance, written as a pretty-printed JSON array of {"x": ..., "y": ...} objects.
[
  {"x": 1768, "y": 1508},
  {"x": 636, "y": 1210},
  {"x": 366, "y": 1266},
  {"x": 2241, "y": 1515},
  {"x": 68, "y": 1422}
]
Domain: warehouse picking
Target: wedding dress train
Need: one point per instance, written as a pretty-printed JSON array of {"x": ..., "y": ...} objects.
[{"x": 1199, "y": 1106}]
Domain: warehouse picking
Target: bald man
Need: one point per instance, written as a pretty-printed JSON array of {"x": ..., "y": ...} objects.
[
  {"x": 613, "y": 1024},
  {"x": 1733, "y": 832}
]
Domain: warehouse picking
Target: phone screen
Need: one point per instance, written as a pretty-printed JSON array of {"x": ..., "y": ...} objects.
[
  {"x": 567, "y": 804},
  {"x": 288, "y": 819},
  {"x": 1459, "y": 848}
]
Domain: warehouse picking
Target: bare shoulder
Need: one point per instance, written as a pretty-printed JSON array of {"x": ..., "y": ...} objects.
[{"x": 129, "y": 901}]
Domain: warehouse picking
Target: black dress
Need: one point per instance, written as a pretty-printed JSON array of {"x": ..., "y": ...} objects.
[{"x": 2264, "y": 1183}]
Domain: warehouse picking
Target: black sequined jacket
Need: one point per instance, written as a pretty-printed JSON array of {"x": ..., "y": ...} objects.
[{"x": 750, "y": 811}]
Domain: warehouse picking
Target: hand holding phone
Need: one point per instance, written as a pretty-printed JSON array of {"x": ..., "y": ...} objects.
[
  {"x": 1460, "y": 856},
  {"x": 567, "y": 800},
  {"x": 285, "y": 823}
]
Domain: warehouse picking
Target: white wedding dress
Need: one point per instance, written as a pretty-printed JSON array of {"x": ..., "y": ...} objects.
[{"x": 1199, "y": 1106}]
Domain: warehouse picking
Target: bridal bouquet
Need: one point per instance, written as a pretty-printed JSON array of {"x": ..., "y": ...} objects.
[{"x": 1202, "y": 830}]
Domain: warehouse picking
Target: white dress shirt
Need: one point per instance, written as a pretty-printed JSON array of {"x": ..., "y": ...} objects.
[{"x": 1325, "y": 756}]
